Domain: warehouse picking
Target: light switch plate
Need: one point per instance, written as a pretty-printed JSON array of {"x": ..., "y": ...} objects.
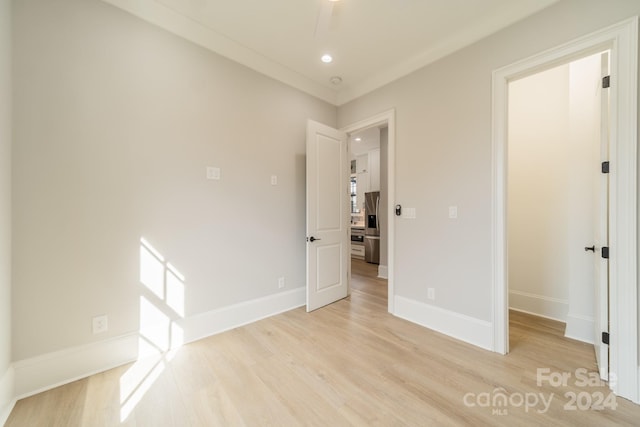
[
  {"x": 453, "y": 212},
  {"x": 409, "y": 213},
  {"x": 213, "y": 172}
]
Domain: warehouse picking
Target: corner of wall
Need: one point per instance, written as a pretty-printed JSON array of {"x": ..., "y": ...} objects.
[{"x": 7, "y": 399}]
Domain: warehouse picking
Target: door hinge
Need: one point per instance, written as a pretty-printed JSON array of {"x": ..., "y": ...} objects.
[
  {"x": 605, "y": 338},
  {"x": 606, "y": 82},
  {"x": 605, "y": 167},
  {"x": 605, "y": 252}
]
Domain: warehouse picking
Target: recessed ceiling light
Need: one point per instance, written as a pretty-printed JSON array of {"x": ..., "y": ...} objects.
[
  {"x": 358, "y": 139},
  {"x": 326, "y": 58},
  {"x": 335, "y": 80}
]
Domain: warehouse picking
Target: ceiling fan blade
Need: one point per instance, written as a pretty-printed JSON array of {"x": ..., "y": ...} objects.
[{"x": 324, "y": 19}]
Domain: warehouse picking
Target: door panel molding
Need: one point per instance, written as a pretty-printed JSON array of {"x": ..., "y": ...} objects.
[{"x": 328, "y": 214}]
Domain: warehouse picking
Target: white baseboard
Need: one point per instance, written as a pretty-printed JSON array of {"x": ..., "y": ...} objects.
[
  {"x": 464, "y": 328},
  {"x": 540, "y": 305},
  {"x": 383, "y": 272},
  {"x": 580, "y": 328},
  {"x": 51, "y": 370},
  {"x": 226, "y": 318},
  {"x": 7, "y": 400}
]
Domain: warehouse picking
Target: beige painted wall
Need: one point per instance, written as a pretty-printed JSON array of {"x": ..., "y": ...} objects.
[
  {"x": 538, "y": 193},
  {"x": 115, "y": 123},
  {"x": 554, "y": 152},
  {"x": 5, "y": 190},
  {"x": 443, "y": 153}
]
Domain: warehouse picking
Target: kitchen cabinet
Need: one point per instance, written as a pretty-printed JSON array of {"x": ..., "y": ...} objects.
[
  {"x": 357, "y": 251},
  {"x": 367, "y": 175},
  {"x": 362, "y": 163},
  {"x": 362, "y": 186},
  {"x": 374, "y": 170}
]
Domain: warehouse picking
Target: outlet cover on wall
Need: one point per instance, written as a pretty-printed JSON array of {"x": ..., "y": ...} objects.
[
  {"x": 100, "y": 324},
  {"x": 274, "y": 179},
  {"x": 431, "y": 294},
  {"x": 280, "y": 282}
]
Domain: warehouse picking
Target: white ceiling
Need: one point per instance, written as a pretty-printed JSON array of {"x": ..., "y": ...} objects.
[
  {"x": 369, "y": 140},
  {"x": 373, "y": 42}
]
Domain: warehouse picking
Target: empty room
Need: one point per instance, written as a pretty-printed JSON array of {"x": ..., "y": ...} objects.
[{"x": 323, "y": 212}]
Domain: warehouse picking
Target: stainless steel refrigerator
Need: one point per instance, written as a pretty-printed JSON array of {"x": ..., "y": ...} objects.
[{"x": 372, "y": 227}]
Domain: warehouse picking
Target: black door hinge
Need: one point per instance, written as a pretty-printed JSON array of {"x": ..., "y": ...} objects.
[
  {"x": 606, "y": 82},
  {"x": 605, "y": 167},
  {"x": 605, "y": 338},
  {"x": 605, "y": 252}
]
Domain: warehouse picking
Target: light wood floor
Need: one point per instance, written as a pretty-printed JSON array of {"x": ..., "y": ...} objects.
[{"x": 350, "y": 363}]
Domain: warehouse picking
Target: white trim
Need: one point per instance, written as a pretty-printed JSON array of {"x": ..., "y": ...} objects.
[
  {"x": 580, "y": 328},
  {"x": 7, "y": 400},
  {"x": 44, "y": 372},
  {"x": 51, "y": 370},
  {"x": 226, "y": 318},
  {"x": 539, "y": 305},
  {"x": 383, "y": 272},
  {"x": 622, "y": 39},
  {"x": 170, "y": 20},
  {"x": 459, "y": 326},
  {"x": 388, "y": 117}
]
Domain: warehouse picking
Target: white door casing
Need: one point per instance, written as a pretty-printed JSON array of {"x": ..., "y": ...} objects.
[
  {"x": 328, "y": 215},
  {"x": 601, "y": 238},
  {"x": 622, "y": 41},
  {"x": 386, "y": 118}
]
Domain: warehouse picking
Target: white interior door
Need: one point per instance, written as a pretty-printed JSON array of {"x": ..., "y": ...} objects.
[
  {"x": 601, "y": 322},
  {"x": 328, "y": 215}
]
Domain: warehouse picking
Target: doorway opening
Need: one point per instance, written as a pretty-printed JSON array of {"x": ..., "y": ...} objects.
[
  {"x": 557, "y": 198},
  {"x": 368, "y": 199},
  {"x": 372, "y": 148},
  {"x": 622, "y": 41}
]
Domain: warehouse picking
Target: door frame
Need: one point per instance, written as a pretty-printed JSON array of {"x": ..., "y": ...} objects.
[
  {"x": 622, "y": 40},
  {"x": 388, "y": 118}
]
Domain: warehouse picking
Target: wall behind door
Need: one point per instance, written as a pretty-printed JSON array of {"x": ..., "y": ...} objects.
[{"x": 553, "y": 162}]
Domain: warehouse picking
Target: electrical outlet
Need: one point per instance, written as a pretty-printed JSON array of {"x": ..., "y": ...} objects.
[
  {"x": 431, "y": 294},
  {"x": 274, "y": 179},
  {"x": 453, "y": 212},
  {"x": 100, "y": 324},
  {"x": 280, "y": 282}
]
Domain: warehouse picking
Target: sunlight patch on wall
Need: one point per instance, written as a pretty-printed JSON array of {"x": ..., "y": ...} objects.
[{"x": 161, "y": 307}]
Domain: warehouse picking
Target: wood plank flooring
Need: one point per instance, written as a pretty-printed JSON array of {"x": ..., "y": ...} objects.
[{"x": 350, "y": 363}]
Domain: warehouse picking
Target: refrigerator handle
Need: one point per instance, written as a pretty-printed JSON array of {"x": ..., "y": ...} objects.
[{"x": 378, "y": 214}]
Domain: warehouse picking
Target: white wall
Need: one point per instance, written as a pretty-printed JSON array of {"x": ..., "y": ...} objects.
[
  {"x": 538, "y": 193},
  {"x": 443, "y": 157},
  {"x": 6, "y": 381},
  {"x": 115, "y": 122},
  {"x": 554, "y": 140}
]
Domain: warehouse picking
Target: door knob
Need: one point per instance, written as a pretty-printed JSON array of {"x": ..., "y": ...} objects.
[
  {"x": 592, "y": 248},
  {"x": 312, "y": 239}
]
